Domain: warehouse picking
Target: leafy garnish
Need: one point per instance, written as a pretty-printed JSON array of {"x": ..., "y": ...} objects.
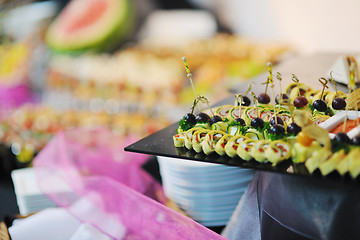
[
  {"x": 204, "y": 121},
  {"x": 266, "y": 127},
  {"x": 273, "y": 137},
  {"x": 311, "y": 107},
  {"x": 292, "y": 134},
  {"x": 242, "y": 128},
  {"x": 185, "y": 125},
  {"x": 328, "y": 111},
  {"x": 234, "y": 123}
]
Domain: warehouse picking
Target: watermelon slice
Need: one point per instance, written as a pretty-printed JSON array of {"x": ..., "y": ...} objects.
[{"x": 91, "y": 25}]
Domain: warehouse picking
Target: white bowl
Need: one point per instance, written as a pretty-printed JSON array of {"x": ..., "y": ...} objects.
[
  {"x": 205, "y": 202},
  {"x": 204, "y": 194},
  {"x": 190, "y": 165}
]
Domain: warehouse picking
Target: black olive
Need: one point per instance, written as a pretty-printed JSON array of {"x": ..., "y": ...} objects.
[
  {"x": 356, "y": 141},
  {"x": 190, "y": 118},
  {"x": 293, "y": 128},
  {"x": 246, "y": 101},
  {"x": 202, "y": 117},
  {"x": 342, "y": 137},
  {"x": 257, "y": 122},
  {"x": 320, "y": 105},
  {"x": 277, "y": 130},
  {"x": 241, "y": 121},
  {"x": 278, "y": 120},
  {"x": 214, "y": 119}
]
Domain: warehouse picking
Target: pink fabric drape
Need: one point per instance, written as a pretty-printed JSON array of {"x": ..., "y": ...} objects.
[{"x": 88, "y": 173}]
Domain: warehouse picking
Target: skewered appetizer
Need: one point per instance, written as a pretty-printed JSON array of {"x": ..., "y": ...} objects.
[
  {"x": 197, "y": 139},
  {"x": 244, "y": 152},
  {"x": 220, "y": 145},
  {"x": 210, "y": 141},
  {"x": 233, "y": 144},
  {"x": 229, "y": 135}
]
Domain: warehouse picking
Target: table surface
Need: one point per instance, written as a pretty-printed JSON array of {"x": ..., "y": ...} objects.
[{"x": 307, "y": 68}]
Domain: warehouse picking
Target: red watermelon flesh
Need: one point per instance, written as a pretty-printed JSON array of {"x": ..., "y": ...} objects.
[{"x": 92, "y": 12}]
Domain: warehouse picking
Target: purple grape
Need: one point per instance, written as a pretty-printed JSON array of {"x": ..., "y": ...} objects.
[
  {"x": 264, "y": 98},
  {"x": 300, "y": 102},
  {"x": 338, "y": 103}
]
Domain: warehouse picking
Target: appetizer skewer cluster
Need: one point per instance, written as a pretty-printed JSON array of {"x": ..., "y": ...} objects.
[
  {"x": 235, "y": 131},
  {"x": 274, "y": 132}
]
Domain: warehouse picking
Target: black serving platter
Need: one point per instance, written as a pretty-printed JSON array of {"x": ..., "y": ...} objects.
[{"x": 161, "y": 144}]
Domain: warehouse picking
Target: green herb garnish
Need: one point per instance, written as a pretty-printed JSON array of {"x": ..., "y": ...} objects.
[{"x": 185, "y": 125}]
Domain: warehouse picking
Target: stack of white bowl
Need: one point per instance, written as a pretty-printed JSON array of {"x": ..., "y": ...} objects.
[{"x": 207, "y": 192}]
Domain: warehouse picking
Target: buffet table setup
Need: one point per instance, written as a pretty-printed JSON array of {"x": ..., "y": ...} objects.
[
  {"x": 63, "y": 148},
  {"x": 112, "y": 126}
]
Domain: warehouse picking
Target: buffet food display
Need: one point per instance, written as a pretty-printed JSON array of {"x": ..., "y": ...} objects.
[
  {"x": 153, "y": 74},
  {"x": 302, "y": 125},
  {"x": 30, "y": 127},
  {"x": 135, "y": 86}
]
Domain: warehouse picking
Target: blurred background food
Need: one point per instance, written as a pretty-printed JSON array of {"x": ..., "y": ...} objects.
[{"x": 112, "y": 63}]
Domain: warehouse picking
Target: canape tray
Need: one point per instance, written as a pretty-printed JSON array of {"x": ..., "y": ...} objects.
[{"x": 161, "y": 143}]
